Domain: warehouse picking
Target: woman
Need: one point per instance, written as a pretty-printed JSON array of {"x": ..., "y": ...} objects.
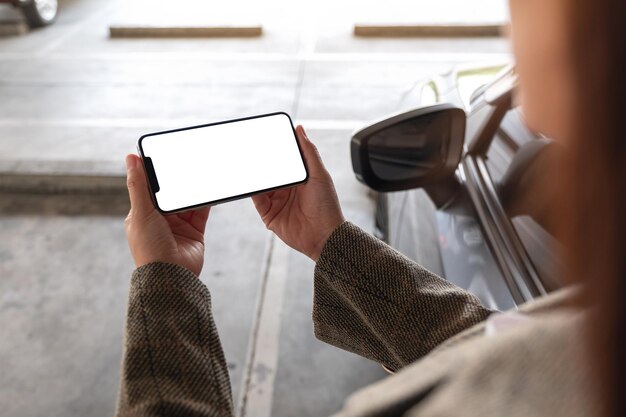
[{"x": 452, "y": 355}]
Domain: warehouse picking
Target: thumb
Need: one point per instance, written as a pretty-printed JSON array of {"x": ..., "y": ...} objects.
[
  {"x": 311, "y": 154},
  {"x": 140, "y": 201}
]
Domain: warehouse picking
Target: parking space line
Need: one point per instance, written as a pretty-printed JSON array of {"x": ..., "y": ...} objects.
[
  {"x": 261, "y": 366},
  {"x": 308, "y": 42}
]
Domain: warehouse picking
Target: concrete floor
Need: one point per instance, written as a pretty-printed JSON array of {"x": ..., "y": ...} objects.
[{"x": 72, "y": 96}]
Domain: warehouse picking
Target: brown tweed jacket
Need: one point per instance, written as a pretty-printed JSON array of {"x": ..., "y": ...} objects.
[{"x": 370, "y": 300}]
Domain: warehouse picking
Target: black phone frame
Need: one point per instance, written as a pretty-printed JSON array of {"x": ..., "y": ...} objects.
[{"x": 152, "y": 178}]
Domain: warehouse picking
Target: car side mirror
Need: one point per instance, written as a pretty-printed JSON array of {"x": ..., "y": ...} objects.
[{"x": 416, "y": 149}]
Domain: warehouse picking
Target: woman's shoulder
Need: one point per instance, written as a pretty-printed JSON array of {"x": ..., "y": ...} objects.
[{"x": 534, "y": 366}]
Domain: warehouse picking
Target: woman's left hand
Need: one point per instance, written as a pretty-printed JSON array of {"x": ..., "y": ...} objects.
[{"x": 153, "y": 237}]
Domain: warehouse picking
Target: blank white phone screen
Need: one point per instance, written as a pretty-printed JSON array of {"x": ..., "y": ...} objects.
[{"x": 206, "y": 164}]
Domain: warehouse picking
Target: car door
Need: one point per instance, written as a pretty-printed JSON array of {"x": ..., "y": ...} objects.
[
  {"x": 501, "y": 151},
  {"x": 481, "y": 242}
]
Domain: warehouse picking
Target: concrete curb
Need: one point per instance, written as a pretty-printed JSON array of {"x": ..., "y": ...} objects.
[
  {"x": 130, "y": 31},
  {"x": 62, "y": 177},
  {"x": 61, "y": 184},
  {"x": 13, "y": 28},
  {"x": 427, "y": 31}
]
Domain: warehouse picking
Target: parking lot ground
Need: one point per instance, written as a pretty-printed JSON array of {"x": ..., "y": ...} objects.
[
  {"x": 65, "y": 268},
  {"x": 74, "y": 100}
]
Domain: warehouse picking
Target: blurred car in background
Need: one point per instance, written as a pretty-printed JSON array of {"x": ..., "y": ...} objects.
[
  {"x": 457, "y": 179},
  {"x": 38, "y": 13}
]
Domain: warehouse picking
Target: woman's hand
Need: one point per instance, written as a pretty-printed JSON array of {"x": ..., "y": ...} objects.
[
  {"x": 152, "y": 237},
  {"x": 305, "y": 216}
]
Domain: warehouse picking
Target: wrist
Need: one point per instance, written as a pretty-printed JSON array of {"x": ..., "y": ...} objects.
[{"x": 319, "y": 247}]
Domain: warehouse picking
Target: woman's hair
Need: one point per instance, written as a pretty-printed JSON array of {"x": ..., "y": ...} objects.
[{"x": 593, "y": 194}]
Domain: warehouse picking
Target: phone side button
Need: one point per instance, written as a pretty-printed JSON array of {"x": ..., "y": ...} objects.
[{"x": 154, "y": 183}]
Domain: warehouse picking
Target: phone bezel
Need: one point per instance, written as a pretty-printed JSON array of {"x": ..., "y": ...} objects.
[{"x": 227, "y": 199}]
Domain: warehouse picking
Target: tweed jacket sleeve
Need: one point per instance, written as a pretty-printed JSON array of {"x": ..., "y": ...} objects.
[
  {"x": 173, "y": 361},
  {"x": 373, "y": 301}
]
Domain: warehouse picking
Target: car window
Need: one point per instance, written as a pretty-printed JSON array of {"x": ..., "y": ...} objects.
[
  {"x": 539, "y": 244},
  {"x": 514, "y": 129},
  {"x": 499, "y": 157}
]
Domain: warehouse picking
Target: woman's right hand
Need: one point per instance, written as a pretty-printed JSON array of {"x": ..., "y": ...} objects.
[{"x": 305, "y": 216}]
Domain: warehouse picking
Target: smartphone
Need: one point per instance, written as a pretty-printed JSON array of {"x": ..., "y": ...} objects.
[{"x": 219, "y": 162}]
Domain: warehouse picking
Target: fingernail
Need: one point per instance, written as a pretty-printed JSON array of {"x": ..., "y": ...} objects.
[
  {"x": 131, "y": 162},
  {"x": 304, "y": 132}
]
